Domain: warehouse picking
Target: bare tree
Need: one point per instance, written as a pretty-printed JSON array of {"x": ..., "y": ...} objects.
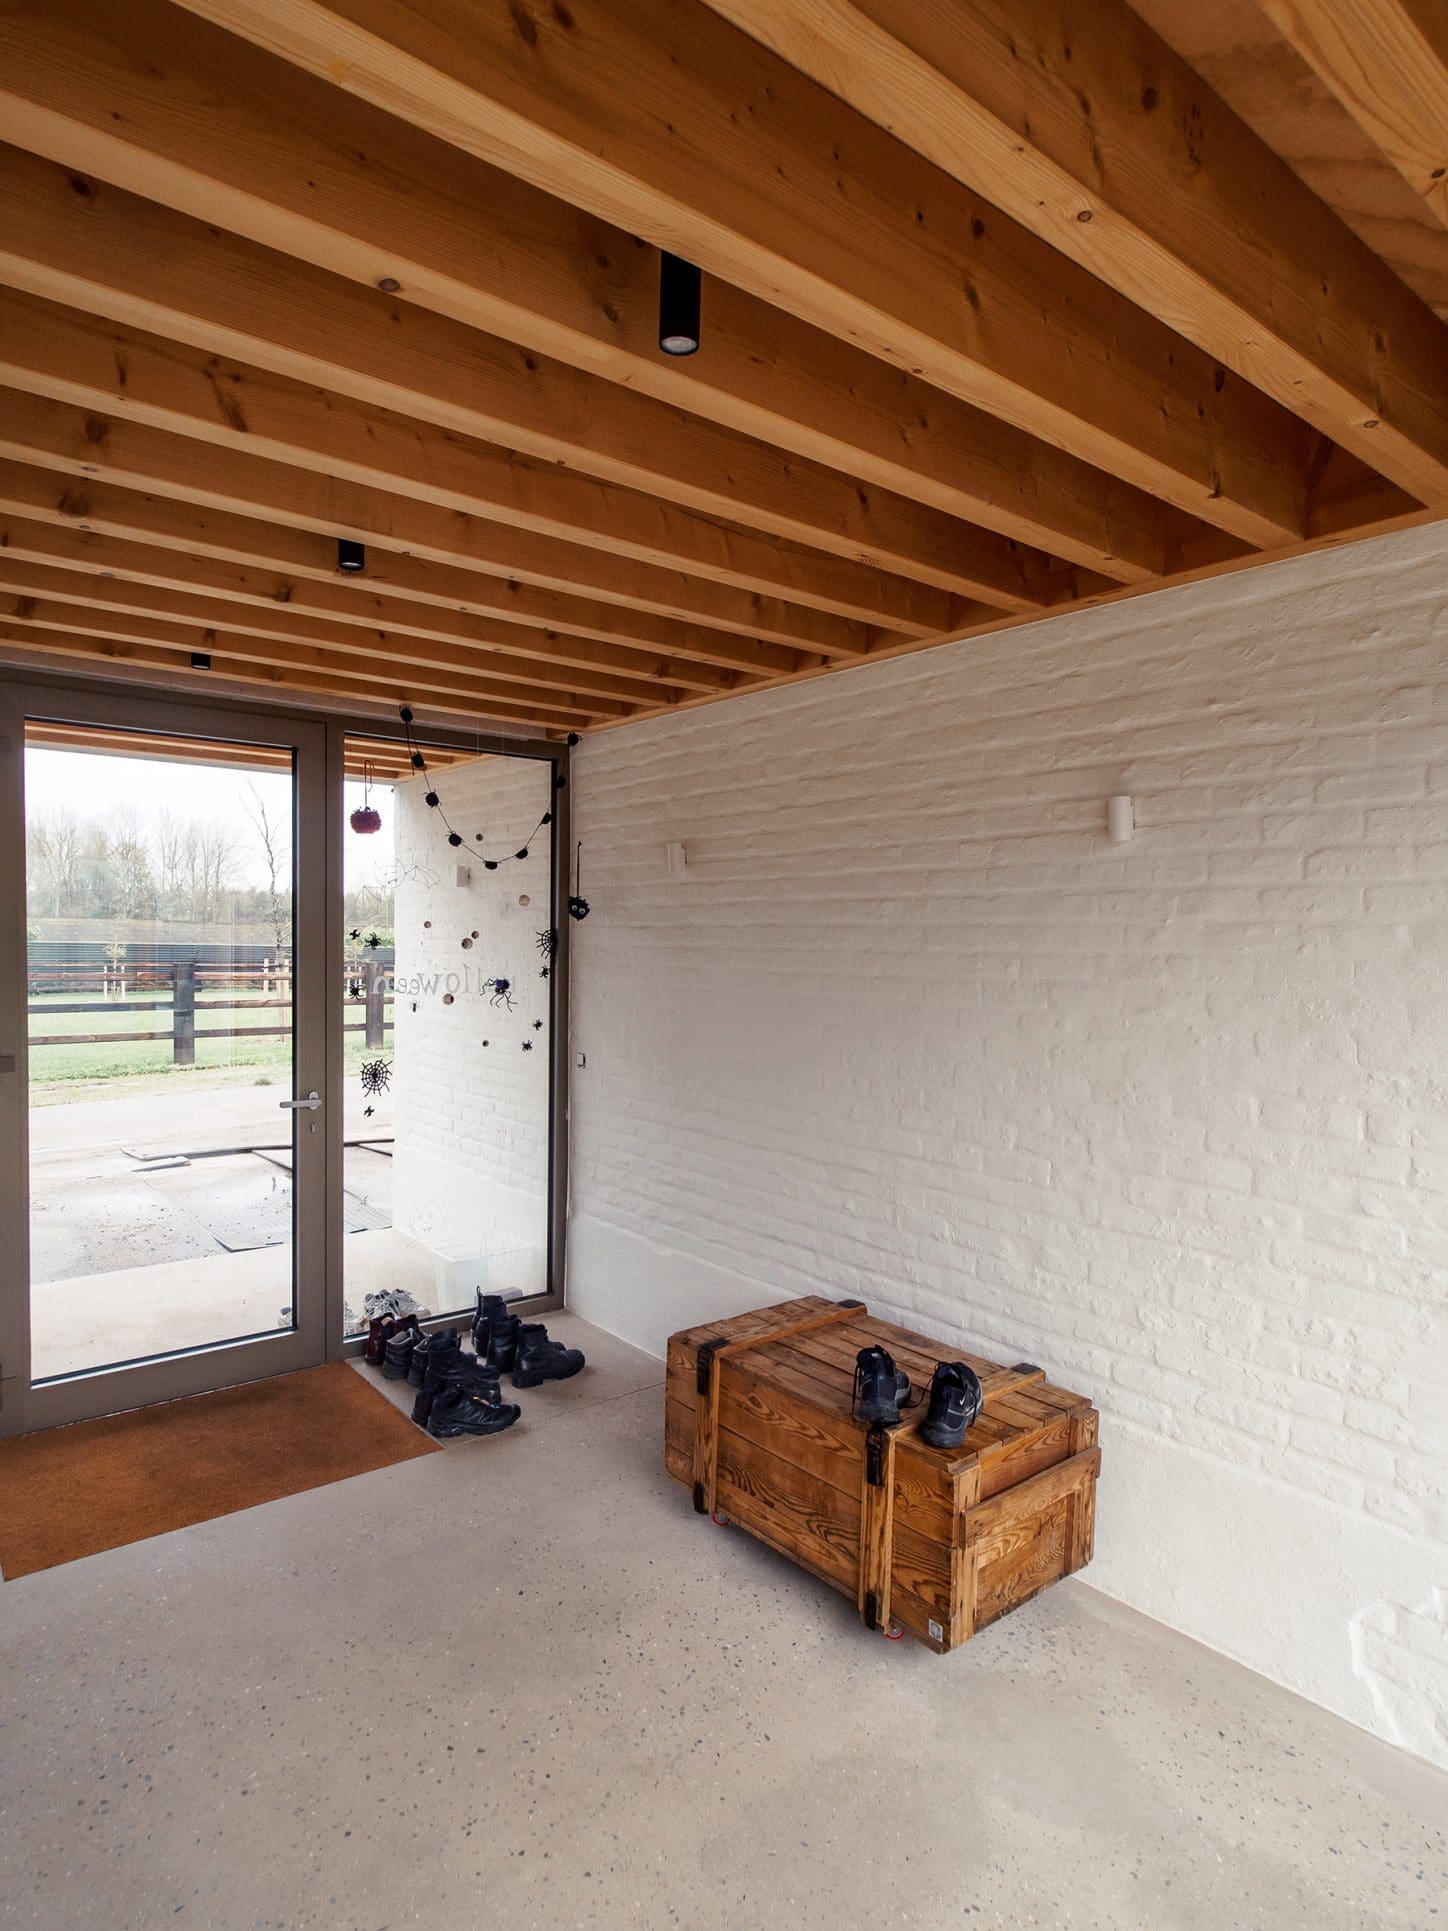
[{"x": 273, "y": 830}]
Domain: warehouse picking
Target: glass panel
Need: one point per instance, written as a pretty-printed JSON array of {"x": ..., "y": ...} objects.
[
  {"x": 447, "y": 1030},
  {"x": 159, "y": 879}
]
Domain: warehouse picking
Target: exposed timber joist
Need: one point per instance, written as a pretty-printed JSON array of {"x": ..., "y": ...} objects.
[
  {"x": 814, "y": 211},
  {"x": 1387, "y": 62},
  {"x": 1089, "y": 130}
]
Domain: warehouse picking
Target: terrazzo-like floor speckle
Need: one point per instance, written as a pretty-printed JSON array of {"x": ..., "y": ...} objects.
[{"x": 521, "y": 1684}]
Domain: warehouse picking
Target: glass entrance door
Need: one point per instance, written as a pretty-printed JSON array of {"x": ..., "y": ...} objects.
[{"x": 161, "y": 1052}]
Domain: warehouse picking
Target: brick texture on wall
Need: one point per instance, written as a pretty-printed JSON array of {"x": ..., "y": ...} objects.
[{"x": 1170, "y": 1116}]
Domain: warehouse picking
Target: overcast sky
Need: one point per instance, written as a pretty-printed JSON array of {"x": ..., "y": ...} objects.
[{"x": 90, "y": 784}]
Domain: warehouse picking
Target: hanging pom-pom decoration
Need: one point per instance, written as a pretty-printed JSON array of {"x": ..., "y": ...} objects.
[
  {"x": 579, "y": 908},
  {"x": 366, "y": 818}
]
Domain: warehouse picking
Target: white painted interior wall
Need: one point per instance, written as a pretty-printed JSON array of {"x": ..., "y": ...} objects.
[
  {"x": 470, "y": 1179},
  {"x": 1168, "y": 1117}
]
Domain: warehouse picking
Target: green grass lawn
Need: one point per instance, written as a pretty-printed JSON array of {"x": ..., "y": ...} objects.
[{"x": 59, "y": 1073}]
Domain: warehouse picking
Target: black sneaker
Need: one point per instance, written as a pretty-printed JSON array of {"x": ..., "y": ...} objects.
[
  {"x": 503, "y": 1342},
  {"x": 955, "y": 1399},
  {"x": 462, "y": 1408},
  {"x": 538, "y": 1359},
  {"x": 876, "y": 1394},
  {"x": 432, "y": 1348},
  {"x": 397, "y": 1353},
  {"x": 461, "y": 1370}
]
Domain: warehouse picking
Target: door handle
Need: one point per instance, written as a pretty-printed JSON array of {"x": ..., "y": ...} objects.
[{"x": 309, "y": 1104}]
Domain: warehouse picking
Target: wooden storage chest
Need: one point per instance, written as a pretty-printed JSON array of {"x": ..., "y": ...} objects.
[{"x": 937, "y": 1542}]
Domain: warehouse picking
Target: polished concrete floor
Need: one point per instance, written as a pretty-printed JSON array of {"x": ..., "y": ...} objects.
[{"x": 520, "y": 1684}]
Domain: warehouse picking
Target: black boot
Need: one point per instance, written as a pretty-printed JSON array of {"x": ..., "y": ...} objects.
[
  {"x": 503, "y": 1342},
  {"x": 491, "y": 1307},
  {"x": 877, "y": 1387},
  {"x": 464, "y": 1408},
  {"x": 432, "y": 1349},
  {"x": 539, "y": 1359},
  {"x": 955, "y": 1399}
]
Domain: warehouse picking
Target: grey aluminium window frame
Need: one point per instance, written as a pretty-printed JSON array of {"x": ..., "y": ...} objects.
[{"x": 320, "y": 739}]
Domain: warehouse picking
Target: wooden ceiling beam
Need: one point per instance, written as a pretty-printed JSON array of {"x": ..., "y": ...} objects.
[
  {"x": 175, "y": 664},
  {"x": 1387, "y": 62},
  {"x": 109, "y": 253},
  {"x": 1089, "y": 130},
  {"x": 58, "y": 352},
  {"x": 342, "y": 600},
  {"x": 287, "y": 627},
  {"x": 82, "y": 443},
  {"x": 183, "y": 114},
  {"x": 666, "y": 120},
  {"x": 227, "y": 646}
]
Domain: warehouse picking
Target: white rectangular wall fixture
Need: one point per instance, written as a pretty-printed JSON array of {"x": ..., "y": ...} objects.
[{"x": 678, "y": 860}]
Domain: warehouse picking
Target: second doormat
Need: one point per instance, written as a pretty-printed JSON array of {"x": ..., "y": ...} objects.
[{"x": 71, "y": 1492}]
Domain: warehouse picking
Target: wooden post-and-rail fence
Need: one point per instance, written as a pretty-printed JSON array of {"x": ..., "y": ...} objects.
[{"x": 366, "y": 982}]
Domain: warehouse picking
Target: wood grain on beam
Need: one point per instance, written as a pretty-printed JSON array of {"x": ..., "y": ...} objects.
[
  {"x": 85, "y": 443},
  {"x": 58, "y": 352},
  {"x": 1092, "y": 132},
  {"x": 876, "y": 248},
  {"x": 182, "y": 542},
  {"x": 105, "y": 252},
  {"x": 1387, "y": 62},
  {"x": 174, "y": 665},
  {"x": 136, "y": 576},
  {"x": 228, "y": 644}
]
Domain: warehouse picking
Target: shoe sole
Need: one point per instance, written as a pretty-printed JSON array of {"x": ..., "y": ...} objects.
[
  {"x": 446, "y": 1434},
  {"x": 393, "y": 1374},
  {"x": 523, "y": 1379}
]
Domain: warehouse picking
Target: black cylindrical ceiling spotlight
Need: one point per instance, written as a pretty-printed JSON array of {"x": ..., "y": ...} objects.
[
  {"x": 678, "y": 306},
  {"x": 351, "y": 556}
]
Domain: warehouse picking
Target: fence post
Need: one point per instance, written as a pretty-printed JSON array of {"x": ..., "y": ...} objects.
[
  {"x": 375, "y": 985},
  {"x": 183, "y": 1012}
]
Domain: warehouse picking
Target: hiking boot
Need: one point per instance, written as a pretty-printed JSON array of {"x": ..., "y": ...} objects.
[
  {"x": 464, "y": 1408},
  {"x": 876, "y": 1395},
  {"x": 491, "y": 1307},
  {"x": 955, "y": 1399},
  {"x": 432, "y": 1348},
  {"x": 538, "y": 1359},
  {"x": 397, "y": 1355},
  {"x": 503, "y": 1342},
  {"x": 460, "y": 1371}
]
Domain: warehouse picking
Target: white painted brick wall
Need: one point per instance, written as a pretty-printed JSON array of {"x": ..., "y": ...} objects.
[
  {"x": 471, "y": 1157},
  {"x": 1170, "y": 1118}
]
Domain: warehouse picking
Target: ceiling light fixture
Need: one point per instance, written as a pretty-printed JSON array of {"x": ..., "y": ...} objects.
[
  {"x": 678, "y": 306},
  {"x": 351, "y": 555}
]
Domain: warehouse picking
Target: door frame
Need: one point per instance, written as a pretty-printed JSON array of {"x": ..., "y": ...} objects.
[{"x": 319, "y": 738}]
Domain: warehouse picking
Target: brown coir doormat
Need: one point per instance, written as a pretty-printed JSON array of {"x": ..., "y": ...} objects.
[{"x": 70, "y": 1492}]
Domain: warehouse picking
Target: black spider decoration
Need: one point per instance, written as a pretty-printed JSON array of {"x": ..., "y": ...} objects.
[
  {"x": 544, "y": 973},
  {"x": 502, "y": 991},
  {"x": 527, "y": 1045},
  {"x": 373, "y": 939},
  {"x": 355, "y": 933},
  {"x": 368, "y": 1111},
  {"x": 537, "y": 1025},
  {"x": 354, "y": 988},
  {"x": 376, "y": 1075},
  {"x": 578, "y": 908},
  {"x": 547, "y": 942}
]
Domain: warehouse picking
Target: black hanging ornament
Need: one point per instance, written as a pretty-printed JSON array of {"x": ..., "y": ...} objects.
[
  {"x": 579, "y": 908},
  {"x": 434, "y": 802}
]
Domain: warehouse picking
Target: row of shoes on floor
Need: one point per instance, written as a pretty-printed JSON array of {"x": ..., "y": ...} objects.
[{"x": 460, "y": 1393}]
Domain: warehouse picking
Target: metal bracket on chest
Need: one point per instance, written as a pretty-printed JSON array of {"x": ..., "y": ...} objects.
[
  {"x": 875, "y": 1442},
  {"x": 704, "y": 1368}
]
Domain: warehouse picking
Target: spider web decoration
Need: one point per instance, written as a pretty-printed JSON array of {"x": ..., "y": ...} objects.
[
  {"x": 434, "y": 802},
  {"x": 376, "y": 1075},
  {"x": 547, "y": 942}
]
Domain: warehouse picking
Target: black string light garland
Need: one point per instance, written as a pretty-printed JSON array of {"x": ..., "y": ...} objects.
[{"x": 431, "y": 799}]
